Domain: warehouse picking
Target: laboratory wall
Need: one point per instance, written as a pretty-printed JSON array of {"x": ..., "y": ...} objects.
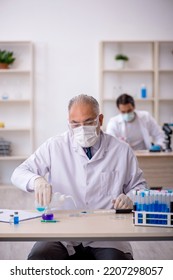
[{"x": 66, "y": 36}]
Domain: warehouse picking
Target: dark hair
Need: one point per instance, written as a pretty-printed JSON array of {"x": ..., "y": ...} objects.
[{"x": 125, "y": 99}]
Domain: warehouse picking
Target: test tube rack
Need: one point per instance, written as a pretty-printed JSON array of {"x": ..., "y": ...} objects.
[
  {"x": 157, "y": 219},
  {"x": 153, "y": 207}
]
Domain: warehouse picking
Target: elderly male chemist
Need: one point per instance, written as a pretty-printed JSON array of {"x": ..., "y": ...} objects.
[{"x": 96, "y": 169}]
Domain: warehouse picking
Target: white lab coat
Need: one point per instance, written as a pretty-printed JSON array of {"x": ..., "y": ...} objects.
[
  {"x": 92, "y": 183},
  {"x": 148, "y": 126}
]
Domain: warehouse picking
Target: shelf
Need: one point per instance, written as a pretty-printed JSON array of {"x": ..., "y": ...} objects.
[
  {"x": 15, "y": 101},
  {"x": 144, "y": 100},
  {"x": 136, "y": 100},
  {"x": 128, "y": 70},
  {"x": 6, "y": 186},
  {"x": 6, "y": 129},
  {"x": 129, "y": 42},
  {"x": 166, "y": 99},
  {"x": 25, "y": 43},
  {"x": 166, "y": 70},
  {"x": 14, "y": 71},
  {"x": 150, "y": 63},
  {"x": 16, "y": 106},
  {"x": 13, "y": 157}
]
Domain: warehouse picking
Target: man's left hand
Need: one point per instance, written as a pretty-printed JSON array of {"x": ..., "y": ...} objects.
[{"x": 123, "y": 202}]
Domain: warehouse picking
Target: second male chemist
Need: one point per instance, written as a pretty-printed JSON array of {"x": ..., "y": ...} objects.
[{"x": 138, "y": 128}]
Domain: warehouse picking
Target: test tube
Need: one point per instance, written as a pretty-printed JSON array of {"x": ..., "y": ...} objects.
[
  {"x": 147, "y": 201},
  {"x": 168, "y": 196},
  {"x": 143, "y": 201},
  {"x": 152, "y": 201},
  {"x": 156, "y": 201},
  {"x": 140, "y": 201}
]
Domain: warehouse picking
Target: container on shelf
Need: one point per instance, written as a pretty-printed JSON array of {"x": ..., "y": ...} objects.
[{"x": 143, "y": 91}]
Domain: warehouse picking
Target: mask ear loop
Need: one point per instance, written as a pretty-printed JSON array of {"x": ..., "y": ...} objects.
[
  {"x": 97, "y": 134},
  {"x": 70, "y": 130}
]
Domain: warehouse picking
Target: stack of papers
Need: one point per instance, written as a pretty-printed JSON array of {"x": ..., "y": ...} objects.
[{"x": 23, "y": 215}]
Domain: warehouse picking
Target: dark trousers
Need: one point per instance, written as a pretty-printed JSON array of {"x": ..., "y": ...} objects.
[{"x": 56, "y": 251}]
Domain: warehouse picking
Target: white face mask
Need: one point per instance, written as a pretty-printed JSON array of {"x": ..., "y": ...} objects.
[
  {"x": 128, "y": 117},
  {"x": 85, "y": 136}
]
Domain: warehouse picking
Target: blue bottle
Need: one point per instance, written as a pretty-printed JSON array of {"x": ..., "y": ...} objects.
[
  {"x": 16, "y": 218},
  {"x": 143, "y": 91}
]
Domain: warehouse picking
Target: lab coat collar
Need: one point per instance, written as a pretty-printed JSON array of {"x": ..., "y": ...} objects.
[
  {"x": 122, "y": 123},
  {"x": 140, "y": 115},
  {"x": 100, "y": 145}
]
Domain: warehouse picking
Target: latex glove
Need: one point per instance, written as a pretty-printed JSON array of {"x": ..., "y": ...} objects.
[
  {"x": 43, "y": 191},
  {"x": 123, "y": 202}
]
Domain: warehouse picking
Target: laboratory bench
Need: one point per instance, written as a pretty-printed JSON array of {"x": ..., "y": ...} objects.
[
  {"x": 157, "y": 168},
  {"x": 81, "y": 226}
]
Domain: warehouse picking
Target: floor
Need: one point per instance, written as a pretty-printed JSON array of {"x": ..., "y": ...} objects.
[
  {"x": 153, "y": 250},
  {"x": 160, "y": 250}
]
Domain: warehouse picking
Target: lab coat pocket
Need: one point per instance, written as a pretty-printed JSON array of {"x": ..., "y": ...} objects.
[{"x": 109, "y": 182}]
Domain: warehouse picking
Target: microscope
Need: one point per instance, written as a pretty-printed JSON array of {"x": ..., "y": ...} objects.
[{"x": 168, "y": 132}]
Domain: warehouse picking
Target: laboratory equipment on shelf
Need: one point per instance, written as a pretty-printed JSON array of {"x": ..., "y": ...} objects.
[
  {"x": 155, "y": 148},
  {"x": 168, "y": 132},
  {"x": 5, "y": 147},
  {"x": 143, "y": 91}
]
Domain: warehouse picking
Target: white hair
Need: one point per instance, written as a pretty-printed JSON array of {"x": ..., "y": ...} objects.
[{"x": 83, "y": 98}]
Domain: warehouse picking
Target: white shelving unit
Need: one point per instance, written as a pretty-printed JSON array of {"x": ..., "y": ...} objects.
[
  {"x": 16, "y": 106},
  {"x": 150, "y": 63}
]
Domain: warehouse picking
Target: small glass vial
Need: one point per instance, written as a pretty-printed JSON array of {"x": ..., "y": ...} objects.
[
  {"x": 143, "y": 91},
  {"x": 16, "y": 218},
  {"x": 11, "y": 219}
]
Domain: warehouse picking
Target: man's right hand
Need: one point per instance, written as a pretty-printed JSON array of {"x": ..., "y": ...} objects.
[{"x": 43, "y": 191}]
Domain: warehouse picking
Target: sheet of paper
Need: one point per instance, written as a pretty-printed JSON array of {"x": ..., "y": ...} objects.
[{"x": 23, "y": 215}]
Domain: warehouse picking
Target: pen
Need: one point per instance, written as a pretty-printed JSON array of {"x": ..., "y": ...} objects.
[
  {"x": 113, "y": 211},
  {"x": 104, "y": 211},
  {"x": 49, "y": 221}
]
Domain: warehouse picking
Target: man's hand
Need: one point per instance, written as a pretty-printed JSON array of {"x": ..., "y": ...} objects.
[
  {"x": 43, "y": 191},
  {"x": 123, "y": 202}
]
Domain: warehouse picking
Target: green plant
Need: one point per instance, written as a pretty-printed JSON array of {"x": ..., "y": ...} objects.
[
  {"x": 121, "y": 57},
  {"x": 6, "y": 57}
]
